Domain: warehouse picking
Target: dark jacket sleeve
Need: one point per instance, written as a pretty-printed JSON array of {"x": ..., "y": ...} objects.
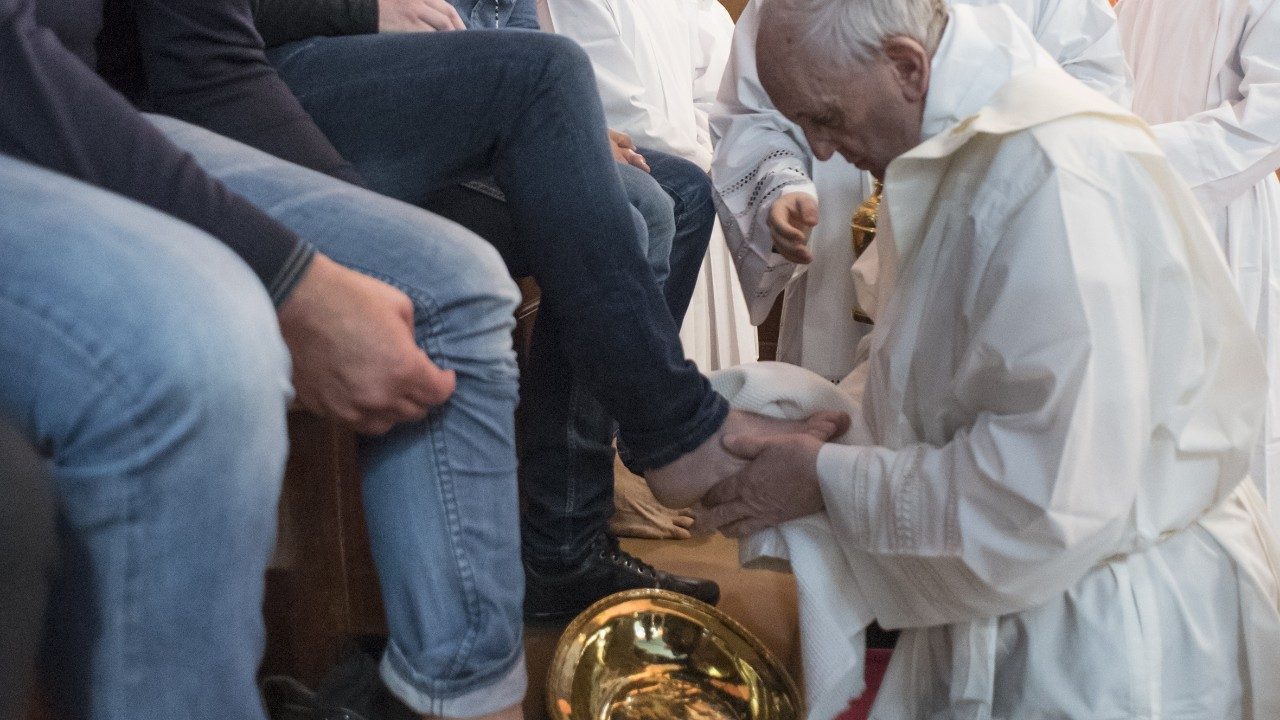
[
  {"x": 282, "y": 21},
  {"x": 57, "y": 113},
  {"x": 205, "y": 64}
]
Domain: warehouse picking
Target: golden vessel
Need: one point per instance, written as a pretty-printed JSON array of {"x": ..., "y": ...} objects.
[
  {"x": 863, "y": 226},
  {"x": 656, "y": 655},
  {"x": 862, "y": 229}
]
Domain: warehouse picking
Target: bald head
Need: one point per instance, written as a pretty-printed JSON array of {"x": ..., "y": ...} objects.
[{"x": 853, "y": 74}]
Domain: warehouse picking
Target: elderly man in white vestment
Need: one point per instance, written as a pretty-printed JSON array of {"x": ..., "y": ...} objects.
[
  {"x": 1207, "y": 78},
  {"x": 1046, "y": 485},
  {"x": 780, "y": 205}
]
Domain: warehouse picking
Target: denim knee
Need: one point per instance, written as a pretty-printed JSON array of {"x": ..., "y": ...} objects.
[
  {"x": 463, "y": 320},
  {"x": 687, "y": 184}
]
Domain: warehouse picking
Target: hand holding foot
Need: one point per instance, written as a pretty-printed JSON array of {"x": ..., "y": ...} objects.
[{"x": 684, "y": 481}]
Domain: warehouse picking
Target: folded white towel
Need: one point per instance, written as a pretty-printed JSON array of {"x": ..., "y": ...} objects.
[{"x": 833, "y": 613}]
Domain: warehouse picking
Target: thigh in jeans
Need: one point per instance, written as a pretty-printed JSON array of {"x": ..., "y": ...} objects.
[
  {"x": 142, "y": 356},
  {"x": 440, "y": 494},
  {"x": 422, "y": 110}
]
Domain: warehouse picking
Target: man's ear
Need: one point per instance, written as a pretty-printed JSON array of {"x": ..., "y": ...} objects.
[{"x": 909, "y": 62}]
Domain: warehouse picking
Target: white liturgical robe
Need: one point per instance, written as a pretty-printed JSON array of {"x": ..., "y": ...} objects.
[
  {"x": 761, "y": 155},
  {"x": 1046, "y": 488},
  {"x": 1207, "y": 77},
  {"x": 658, "y": 64}
]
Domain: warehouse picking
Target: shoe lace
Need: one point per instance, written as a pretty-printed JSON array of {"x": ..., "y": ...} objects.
[{"x": 612, "y": 551}]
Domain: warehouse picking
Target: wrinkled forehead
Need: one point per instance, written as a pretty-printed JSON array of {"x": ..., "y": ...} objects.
[
  {"x": 789, "y": 70},
  {"x": 800, "y": 80}
]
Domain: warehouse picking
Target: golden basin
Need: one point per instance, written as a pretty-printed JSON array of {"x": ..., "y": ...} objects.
[{"x": 656, "y": 655}]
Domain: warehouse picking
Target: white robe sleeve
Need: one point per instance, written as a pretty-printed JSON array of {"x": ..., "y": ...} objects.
[
  {"x": 1224, "y": 151},
  {"x": 712, "y": 30},
  {"x": 596, "y": 25},
  {"x": 1084, "y": 37},
  {"x": 759, "y": 155},
  {"x": 1039, "y": 486}
]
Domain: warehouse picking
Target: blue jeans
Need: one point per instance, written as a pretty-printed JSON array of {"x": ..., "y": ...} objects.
[
  {"x": 150, "y": 367},
  {"x": 419, "y": 112},
  {"x": 566, "y": 452},
  {"x": 142, "y": 357},
  {"x": 394, "y": 106},
  {"x": 440, "y": 494}
]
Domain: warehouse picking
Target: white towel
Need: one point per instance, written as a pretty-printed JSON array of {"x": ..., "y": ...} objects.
[{"x": 833, "y": 613}]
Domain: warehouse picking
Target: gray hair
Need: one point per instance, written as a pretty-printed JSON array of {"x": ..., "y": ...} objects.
[{"x": 856, "y": 29}]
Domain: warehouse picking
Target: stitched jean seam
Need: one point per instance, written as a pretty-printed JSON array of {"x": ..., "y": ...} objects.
[{"x": 471, "y": 602}]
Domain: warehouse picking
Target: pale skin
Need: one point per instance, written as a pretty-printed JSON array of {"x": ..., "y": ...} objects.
[{"x": 869, "y": 113}]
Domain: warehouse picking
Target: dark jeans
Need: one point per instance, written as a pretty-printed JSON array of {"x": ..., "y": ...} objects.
[
  {"x": 566, "y": 452},
  {"x": 417, "y": 112},
  {"x": 26, "y": 555}
]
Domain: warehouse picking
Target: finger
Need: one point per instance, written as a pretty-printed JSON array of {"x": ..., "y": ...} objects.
[
  {"x": 800, "y": 255},
  {"x": 624, "y": 140},
  {"x": 683, "y": 521},
  {"x": 457, "y": 22},
  {"x": 373, "y": 425},
  {"x": 427, "y": 384},
  {"x": 708, "y": 520},
  {"x": 638, "y": 160},
  {"x": 827, "y": 424},
  {"x": 747, "y": 447},
  {"x": 808, "y": 212},
  {"x": 785, "y": 232},
  {"x": 436, "y": 18}
]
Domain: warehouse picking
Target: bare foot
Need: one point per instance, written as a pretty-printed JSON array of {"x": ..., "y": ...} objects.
[
  {"x": 683, "y": 482},
  {"x": 638, "y": 514}
]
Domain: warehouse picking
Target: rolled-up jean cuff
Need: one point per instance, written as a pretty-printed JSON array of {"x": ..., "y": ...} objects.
[
  {"x": 506, "y": 690},
  {"x": 686, "y": 438}
]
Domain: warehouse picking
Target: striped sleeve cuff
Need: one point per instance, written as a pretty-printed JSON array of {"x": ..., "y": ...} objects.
[{"x": 294, "y": 267}]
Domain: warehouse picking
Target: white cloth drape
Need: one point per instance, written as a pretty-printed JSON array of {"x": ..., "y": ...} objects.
[
  {"x": 658, "y": 64},
  {"x": 1207, "y": 76},
  {"x": 1058, "y": 405},
  {"x": 760, "y": 155}
]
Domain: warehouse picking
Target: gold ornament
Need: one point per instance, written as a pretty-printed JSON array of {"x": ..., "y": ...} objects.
[
  {"x": 656, "y": 655},
  {"x": 863, "y": 231}
]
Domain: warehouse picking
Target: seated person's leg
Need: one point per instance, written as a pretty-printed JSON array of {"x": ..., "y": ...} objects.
[
  {"x": 524, "y": 107},
  {"x": 27, "y": 545},
  {"x": 694, "y": 210},
  {"x": 143, "y": 357},
  {"x": 440, "y": 494},
  {"x": 657, "y": 221},
  {"x": 566, "y": 460}
]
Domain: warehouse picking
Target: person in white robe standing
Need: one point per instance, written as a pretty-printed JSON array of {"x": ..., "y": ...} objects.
[
  {"x": 658, "y": 64},
  {"x": 1046, "y": 485},
  {"x": 763, "y": 167},
  {"x": 1207, "y": 77}
]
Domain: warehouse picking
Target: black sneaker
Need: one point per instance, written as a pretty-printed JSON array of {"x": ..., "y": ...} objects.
[
  {"x": 286, "y": 698},
  {"x": 354, "y": 685},
  {"x": 560, "y": 593}
]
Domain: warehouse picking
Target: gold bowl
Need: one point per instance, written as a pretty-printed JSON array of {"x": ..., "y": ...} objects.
[{"x": 656, "y": 655}]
